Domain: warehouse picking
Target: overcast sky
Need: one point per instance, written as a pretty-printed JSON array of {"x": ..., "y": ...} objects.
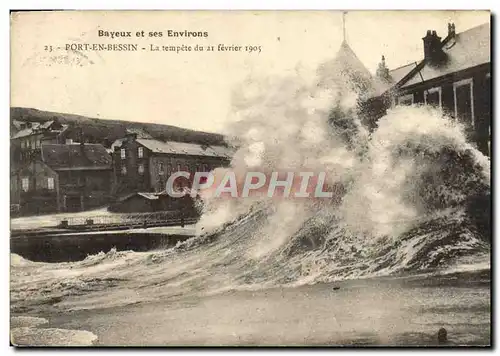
[{"x": 192, "y": 89}]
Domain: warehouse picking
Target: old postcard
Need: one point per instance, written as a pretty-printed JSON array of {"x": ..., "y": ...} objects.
[{"x": 250, "y": 178}]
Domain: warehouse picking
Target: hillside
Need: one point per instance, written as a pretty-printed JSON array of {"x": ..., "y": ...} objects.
[{"x": 106, "y": 131}]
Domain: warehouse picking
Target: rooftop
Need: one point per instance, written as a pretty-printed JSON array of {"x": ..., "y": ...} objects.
[
  {"x": 37, "y": 127},
  {"x": 183, "y": 148},
  {"x": 76, "y": 156},
  {"x": 106, "y": 131},
  {"x": 466, "y": 50},
  {"x": 146, "y": 195}
]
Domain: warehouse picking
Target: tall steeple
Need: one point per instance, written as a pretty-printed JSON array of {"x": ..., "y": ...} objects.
[
  {"x": 343, "y": 25},
  {"x": 345, "y": 68}
]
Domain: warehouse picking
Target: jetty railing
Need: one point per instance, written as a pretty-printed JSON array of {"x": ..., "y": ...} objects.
[{"x": 128, "y": 220}]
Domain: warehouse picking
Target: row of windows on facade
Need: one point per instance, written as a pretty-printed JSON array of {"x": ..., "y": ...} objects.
[
  {"x": 140, "y": 152},
  {"x": 161, "y": 168},
  {"x": 25, "y": 183},
  {"x": 33, "y": 143},
  {"x": 463, "y": 98}
]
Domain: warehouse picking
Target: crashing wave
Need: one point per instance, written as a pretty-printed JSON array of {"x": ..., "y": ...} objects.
[{"x": 415, "y": 199}]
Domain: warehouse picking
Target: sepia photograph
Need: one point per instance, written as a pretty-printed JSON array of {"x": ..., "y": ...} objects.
[{"x": 250, "y": 178}]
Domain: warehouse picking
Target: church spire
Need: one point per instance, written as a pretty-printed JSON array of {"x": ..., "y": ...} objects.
[{"x": 343, "y": 24}]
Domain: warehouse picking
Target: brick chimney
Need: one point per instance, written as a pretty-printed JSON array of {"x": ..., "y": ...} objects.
[
  {"x": 451, "y": 30},
  {"x": 130, "y": 136},
  {"x": 433, "y": 52}
]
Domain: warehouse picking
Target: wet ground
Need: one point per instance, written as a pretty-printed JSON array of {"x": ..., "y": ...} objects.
[{"x": 390, "y": 311}]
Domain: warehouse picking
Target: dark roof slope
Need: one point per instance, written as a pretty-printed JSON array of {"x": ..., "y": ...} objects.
[
  {"x": 145, "y": 195},
  {"x": 106, "y": 131},
  {"x": 466, "y": 50},
  {"x": 76, "y": 156},
  {"x": 182, "y": 148}
]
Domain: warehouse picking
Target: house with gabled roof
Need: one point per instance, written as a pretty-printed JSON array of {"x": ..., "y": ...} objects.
[
  {"x": 66, "y": 177},
  {"x": 27, "y": 138},
  {"x": 454, "y": 75}
]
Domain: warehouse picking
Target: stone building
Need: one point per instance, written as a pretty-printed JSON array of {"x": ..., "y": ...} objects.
[
  {"x": 144, "y": 164},
  {"x": 66, "y": 177},
  {"x": 27, "y": 138},
  {"x": 49, "y": 172}
]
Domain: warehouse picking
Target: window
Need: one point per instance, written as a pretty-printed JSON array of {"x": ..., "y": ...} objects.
[
  {"x": 464, "y": 101},
  {"x": 23, "y": 144},
  {"x": 122, "y": 153},
  {"x": 50, "y": 183},
  {"x": 140, "y": 168},
  {"x": 433, "y": 97},
  {"x": 405, "y": 99},
  {"x": 124, "y": 170},
  {"x": 169, "y": 169},
  {"x": 178, "y": 167},
  {"x": 25, "y": 184},
  {"x": 140, "y": 152},
  {"x": 161, "y": 168},
  {"x": 206, "y": 168}
]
